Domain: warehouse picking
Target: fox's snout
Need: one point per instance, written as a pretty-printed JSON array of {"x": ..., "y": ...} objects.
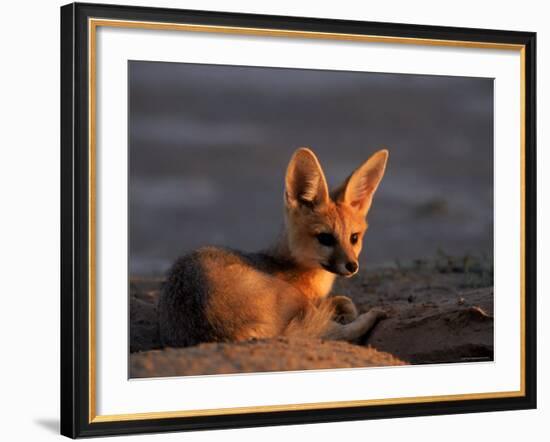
[
  {"x": 346, "y": 268},
  {"x": 342, "y": 258}
]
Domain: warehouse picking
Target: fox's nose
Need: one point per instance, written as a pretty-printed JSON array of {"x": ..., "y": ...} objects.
[{"x": 351, "y": 267}]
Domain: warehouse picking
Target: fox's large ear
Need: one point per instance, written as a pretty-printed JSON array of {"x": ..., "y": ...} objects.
[
  {"x": 305, "y": 182},
  {"x": 359, "y": 188}
]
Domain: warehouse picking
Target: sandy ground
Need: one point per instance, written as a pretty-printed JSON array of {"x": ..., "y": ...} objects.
[
  {"x": 279, "y": 354},
  {"x": 438, "y": 312}
]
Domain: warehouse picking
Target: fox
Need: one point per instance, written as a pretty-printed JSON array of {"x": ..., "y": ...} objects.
[{"x": 216, "y": 294}]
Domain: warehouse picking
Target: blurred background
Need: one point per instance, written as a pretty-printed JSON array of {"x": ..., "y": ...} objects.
[{"x": 209, "y": 146}]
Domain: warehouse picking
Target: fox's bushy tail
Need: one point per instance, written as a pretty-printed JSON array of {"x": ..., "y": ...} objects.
[
  {"x": 317, "y": 322},
  {"x": 312, "y": 322}
]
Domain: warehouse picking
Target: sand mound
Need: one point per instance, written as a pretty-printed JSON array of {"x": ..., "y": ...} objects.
[{"x": 256, "y": 356}]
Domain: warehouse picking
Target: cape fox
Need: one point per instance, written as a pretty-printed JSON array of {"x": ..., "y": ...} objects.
[{"x": 218, "y": 294}]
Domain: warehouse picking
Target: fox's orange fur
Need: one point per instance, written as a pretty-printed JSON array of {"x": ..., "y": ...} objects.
[{"x": 216, "y": 294}]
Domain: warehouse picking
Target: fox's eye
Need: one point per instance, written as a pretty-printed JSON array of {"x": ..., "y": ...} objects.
[
  {"x": 326, "y": 239},
  {"x": 354, "y": 238}
]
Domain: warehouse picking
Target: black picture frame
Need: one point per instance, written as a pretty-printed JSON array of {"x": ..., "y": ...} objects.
[{"x": 75, "y": 219}]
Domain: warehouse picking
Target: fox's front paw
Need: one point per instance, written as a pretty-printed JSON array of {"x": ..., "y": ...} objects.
[
  {"x": 344, "y": 309},
  {"x": 379, "y": 313}
]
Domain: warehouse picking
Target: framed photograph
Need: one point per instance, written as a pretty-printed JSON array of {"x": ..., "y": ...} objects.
[{"x": 278, "y": 220}]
